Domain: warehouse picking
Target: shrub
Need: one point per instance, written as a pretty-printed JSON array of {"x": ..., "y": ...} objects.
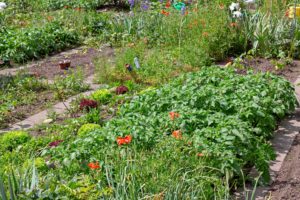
[
  {"x": 86, "y": 128},
  {"x": 102, "y": 96},
  {"x": 12, "y": 139}
]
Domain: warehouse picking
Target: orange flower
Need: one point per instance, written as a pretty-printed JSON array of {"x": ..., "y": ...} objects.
[
  {"x": 200, "y": 154},
  {"x": 49, "y": 18},
  {"x": 205, "y": 34},
  {"x": 124, "y": 140},
  {"x": 168, "y": 4},
  {"x": 287, "y": 13},
  {"x": 165, "y": 13},
  {"x": 221, "y": 6},
  {"x": 78, "y": 9},
  {"x": 94, "y": 165},
  {"x": 177, "y": 134},
  {"x": 173, "y": 115},
  {"x": 233, "y": 24}
]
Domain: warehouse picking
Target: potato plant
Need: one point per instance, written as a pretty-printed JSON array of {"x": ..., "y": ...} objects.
[{"x": 191, "y": 138}]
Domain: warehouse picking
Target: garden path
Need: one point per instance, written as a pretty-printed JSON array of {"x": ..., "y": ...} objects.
[
  {"x": 81, "y": 59},
  {"x": 48, "y": 68},
  {"x": 59, "y": 108}
]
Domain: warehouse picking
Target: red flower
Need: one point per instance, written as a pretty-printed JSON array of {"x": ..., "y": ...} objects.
[
  {"x": 124, "y": 140},
  {"x": 177, "y": 134},
  {"x": 88, "y": 104},
  {"x": 165, "y": 13},
  {"x": 94, "y": 165},
  {"x": 55, "y": 143},
  {"x": 173, "y": 115},
  {"x": 168, "y": 4}
]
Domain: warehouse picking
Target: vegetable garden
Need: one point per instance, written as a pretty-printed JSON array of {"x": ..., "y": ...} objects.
[{"x": 166, "y": 121}]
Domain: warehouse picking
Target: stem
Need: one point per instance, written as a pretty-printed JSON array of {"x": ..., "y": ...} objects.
[{"x": 180, "y": 34}]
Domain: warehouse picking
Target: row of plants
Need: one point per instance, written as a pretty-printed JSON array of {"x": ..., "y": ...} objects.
[
  {"x": 192, "y": 138},
  {"x": 20, "y": 45},
  {"x": 41, "y": 5}
]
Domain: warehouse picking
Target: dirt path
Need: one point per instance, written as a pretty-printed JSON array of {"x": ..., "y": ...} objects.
[
  {"x": 287, "y": 184},
  {"x": 81, "y": 59}
]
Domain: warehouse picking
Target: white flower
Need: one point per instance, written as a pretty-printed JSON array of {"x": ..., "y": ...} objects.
[
  {"x": 234, "y": 6},
  {"x": 2, "y": 6},
  {"x": 237, "y": 14}
]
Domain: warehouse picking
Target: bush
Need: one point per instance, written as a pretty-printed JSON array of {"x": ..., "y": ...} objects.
[
  {"x": 86, "y": 128},
  {"x": 102, "y": 96},
  {"x": 12, "y": 139}
]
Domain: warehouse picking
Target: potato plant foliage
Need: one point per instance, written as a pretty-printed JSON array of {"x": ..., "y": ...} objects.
[{"x": 225, "y": 118}]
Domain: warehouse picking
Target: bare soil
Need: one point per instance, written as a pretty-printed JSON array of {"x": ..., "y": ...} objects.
[
  {"x": 287, "y": 184},
  {"x": 23, "y": 111},
  {"x": 290, "y": 71},
  {"x": 81, "y": 59}
]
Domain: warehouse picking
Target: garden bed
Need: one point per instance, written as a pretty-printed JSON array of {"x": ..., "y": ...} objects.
[
  {"x": 81, "y": 59},
  {"x": 287, "y": 69},
  {"x": 24, "y": 95},
  {"x": 211, "y": 123}
]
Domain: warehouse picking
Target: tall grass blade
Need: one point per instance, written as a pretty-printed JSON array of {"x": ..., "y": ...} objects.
[
  {"x": 2, "y": 190},
  {"x": 11, "y": 189}
]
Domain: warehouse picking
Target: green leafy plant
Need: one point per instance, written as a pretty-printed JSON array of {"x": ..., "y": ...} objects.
[
  {"x": 13, "y": 139},
  {"x": 86, "y": 128},
  {"x": 102, "y": 96},
  {"x": 24, "y": 44}
]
